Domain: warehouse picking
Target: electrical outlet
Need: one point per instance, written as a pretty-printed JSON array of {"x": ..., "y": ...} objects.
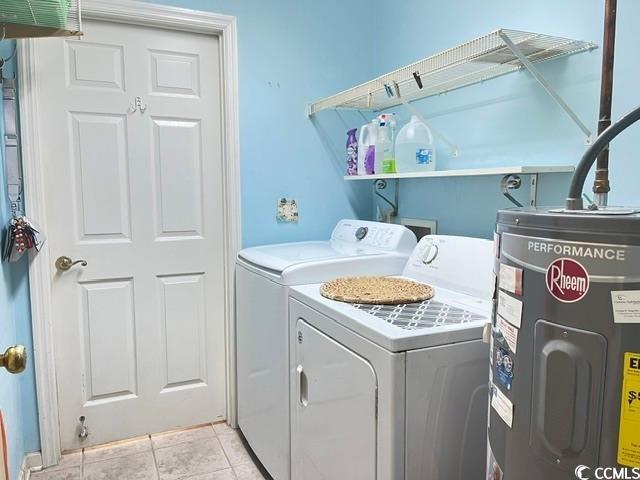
[{"x": 287, "y": 211}]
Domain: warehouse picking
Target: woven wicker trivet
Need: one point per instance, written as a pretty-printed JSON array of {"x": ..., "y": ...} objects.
[{"x": 376, "y": 290}]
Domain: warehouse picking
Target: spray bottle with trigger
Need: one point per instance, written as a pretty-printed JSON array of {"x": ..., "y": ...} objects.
[{"x": 386, "y": 142}]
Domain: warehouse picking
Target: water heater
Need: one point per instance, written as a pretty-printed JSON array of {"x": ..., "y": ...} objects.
[{"x": 565, "y": 356}]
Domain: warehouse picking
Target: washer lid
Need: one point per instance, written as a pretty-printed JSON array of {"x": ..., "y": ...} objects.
[{"x": 277, "y": 258}]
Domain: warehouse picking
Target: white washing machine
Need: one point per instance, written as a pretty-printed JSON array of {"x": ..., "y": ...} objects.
[
  {"x": 264, "y": 275},
  {"x": 395, "y": 392}
]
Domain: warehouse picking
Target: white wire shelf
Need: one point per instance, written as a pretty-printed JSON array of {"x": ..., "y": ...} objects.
[
  {"x": 481, "y": 59},
  {"x": 470, "y": 172},
  {"x": 40, "y": 18}
]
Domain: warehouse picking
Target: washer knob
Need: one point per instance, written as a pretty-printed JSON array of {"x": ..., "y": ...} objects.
[{"x": 361, "y": 233}]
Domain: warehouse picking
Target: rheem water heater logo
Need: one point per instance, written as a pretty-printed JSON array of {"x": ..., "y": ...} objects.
[{"x": 567, "y": 280}]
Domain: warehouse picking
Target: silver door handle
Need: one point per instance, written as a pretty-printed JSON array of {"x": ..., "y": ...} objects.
[{"x": 303, "y": 388}]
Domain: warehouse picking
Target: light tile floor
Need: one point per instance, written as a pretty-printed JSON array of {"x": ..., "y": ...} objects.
[{"x": 209, "y": 452}]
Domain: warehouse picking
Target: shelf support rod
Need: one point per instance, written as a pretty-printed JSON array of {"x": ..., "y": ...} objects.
[
  {"x": 508, "y": 183},
  {"x": 452, "y": 146},
  {"x": 546, "y": 85}
]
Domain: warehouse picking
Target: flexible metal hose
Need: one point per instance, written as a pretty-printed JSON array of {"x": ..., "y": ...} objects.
[{"x": 574, "y": 200}]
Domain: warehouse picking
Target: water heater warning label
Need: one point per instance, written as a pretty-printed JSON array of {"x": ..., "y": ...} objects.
[
  {"x": 626, "y": 306},
  {"x": 629, "y": 440}
]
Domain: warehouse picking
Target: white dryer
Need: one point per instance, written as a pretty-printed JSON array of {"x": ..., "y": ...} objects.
[
  {"x": 395, "y": 392},
  {"x": 264, "y": 275}
]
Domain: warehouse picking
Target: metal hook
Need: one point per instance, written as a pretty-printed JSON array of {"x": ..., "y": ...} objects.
[{"x": 137, "y": 105}]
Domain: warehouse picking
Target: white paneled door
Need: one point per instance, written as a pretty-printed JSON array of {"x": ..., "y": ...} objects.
[{"x": 130, "y": 125}]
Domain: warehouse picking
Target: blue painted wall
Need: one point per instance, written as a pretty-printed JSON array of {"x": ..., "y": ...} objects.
[
  {"x": 510, "y": 120},
  {"x": 290, "y": 53},
  {"x": 17, "y": 392}
]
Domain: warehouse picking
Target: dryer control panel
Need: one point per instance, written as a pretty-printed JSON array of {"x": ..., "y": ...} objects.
[
  {"x": 383, "y": 236},
  {"x": 461, "y": 264}
]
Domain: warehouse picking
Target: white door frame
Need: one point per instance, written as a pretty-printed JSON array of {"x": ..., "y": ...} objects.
[{"x": 136, "y": 13}]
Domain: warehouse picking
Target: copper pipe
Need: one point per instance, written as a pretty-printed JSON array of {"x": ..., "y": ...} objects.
[
  {"x": 601, "y": 185},
  {"x": 574, "y": 200}
]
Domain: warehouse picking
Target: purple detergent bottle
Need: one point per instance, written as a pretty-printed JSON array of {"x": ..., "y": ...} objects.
[
  {"x": 352, "y": 152},
  {"x": 370, "y": 160}
]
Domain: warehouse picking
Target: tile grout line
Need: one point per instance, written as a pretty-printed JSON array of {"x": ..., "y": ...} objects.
[
  {"x": 153, "y": 449},
  {"x": 224, "y": 452},
  {"x": 155, "y": 459}
]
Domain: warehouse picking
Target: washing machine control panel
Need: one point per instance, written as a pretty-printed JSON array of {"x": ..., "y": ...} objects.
[
  {"x": 384, "y": 236},
  {"x": 361, "y": 233}
]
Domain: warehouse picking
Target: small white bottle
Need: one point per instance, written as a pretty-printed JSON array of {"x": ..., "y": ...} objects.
[{"x": 415, "y": 150}]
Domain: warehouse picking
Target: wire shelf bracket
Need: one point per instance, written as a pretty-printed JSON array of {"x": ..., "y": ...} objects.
[{"x": 531, "y": 68}]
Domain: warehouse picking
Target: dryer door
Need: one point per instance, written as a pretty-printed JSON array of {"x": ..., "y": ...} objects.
[{"x": 334, "y": 410}]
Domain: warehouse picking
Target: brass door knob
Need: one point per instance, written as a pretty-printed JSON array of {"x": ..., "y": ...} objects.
[
  {"x": 64, "y": 263},
  {"x": 14, "y": 359}
]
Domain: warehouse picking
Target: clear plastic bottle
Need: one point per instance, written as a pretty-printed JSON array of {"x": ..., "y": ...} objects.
[
  {"x": 386, "y": 142},
  {"x": 415, "y": 150}
]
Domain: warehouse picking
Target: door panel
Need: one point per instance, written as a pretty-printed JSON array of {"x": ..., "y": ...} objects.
[
  {"x": 110, "y": 368},
  {"x": 137, "y": 193},
  {"x": 174, "y": 73},
  {"x": 101, "y": 171},
  {"x": 178, "y": 165},
  {"x": 184, "y": 331},
  {"x": 334, "y": 417},
  {"x": 95, "y": 65}
]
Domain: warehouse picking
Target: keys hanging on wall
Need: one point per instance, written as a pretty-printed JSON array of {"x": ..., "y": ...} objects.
[{"x": 21, "y": 233}]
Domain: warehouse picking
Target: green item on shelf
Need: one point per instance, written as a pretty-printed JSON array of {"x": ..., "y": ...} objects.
[{"x": 44, "y": 13}]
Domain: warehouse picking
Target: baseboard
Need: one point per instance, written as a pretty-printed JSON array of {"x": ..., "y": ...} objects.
[{"x": 30, "y": 462}]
